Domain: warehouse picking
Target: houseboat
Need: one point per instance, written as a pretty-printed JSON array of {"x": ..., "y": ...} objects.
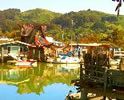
[{"x": 16, "y": 52}]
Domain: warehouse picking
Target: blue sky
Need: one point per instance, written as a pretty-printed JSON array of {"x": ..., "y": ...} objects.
[{"x": 62, "y": 6}]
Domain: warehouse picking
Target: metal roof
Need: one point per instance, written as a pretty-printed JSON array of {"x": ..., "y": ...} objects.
[
  {"x": 14, "y": 42},
  {"x": 89, "y": 44}
]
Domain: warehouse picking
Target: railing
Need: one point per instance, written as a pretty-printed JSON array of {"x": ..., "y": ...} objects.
[{"x": 119, "y": 53}]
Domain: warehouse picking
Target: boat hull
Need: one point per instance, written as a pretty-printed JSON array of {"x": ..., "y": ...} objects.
[{"x": 22, "y": 63}]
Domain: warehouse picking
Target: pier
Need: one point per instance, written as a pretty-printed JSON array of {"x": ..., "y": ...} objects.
[{"x": 107, "y": 83}]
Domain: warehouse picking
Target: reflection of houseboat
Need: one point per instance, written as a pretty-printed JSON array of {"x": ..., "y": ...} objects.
[
  {"x": 15, "y": 76},
  {"x": 69, "y": 67}
]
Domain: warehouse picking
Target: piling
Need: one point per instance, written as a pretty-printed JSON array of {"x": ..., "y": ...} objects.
[{"x": 82, "y": 88}]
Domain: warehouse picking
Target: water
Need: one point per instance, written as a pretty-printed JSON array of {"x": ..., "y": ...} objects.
[{"x": 44, "y": 82}]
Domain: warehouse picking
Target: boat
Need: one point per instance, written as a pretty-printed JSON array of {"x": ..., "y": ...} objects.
[
  {"x": 115, "y": 63},
  {"x": 30, "y": 62},
  {"x": 67, "y": 60}
]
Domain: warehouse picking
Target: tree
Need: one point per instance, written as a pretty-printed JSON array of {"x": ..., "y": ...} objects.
[
  {"x": 64, "y": 21},
  {"x": 99, "y": 27},
  {"x": 116, "y": 34},
  {"x": 118, "y": 6},
  {"x": 111, "y": 19}
]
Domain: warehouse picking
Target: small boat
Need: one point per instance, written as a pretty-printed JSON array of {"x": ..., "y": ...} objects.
[
  {"x": 26, "y": 63},
  {"x": 115, "y": 61},
  {"x": 67, "y": 60}
]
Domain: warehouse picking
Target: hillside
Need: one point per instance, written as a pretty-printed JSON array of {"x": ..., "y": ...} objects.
[
  {"x": 11, "y": 17},
  {"x": 82, "y": 26},
  {"x": 39, "y": 16}
]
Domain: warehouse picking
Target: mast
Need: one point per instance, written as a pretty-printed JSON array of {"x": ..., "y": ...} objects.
[{"x": 72, "y": 23}]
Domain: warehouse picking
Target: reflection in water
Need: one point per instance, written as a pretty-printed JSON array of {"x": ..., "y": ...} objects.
[{"x": 36, "y": 80}]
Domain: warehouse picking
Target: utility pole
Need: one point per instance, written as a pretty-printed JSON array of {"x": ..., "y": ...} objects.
[{"x": 72, "y": 23}]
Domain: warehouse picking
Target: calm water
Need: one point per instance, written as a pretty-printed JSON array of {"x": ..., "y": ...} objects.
[{"x": 44, "y": 82}]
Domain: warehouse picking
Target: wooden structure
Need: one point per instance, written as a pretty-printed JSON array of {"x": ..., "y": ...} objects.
[
  {"x": 97, "y": 75},
  {"x": 119, "y": 54},
  {"x": 105, "y": 82},
  {"x": 15, "y": 49},
  {"x": 85, "y": 47},
  {"x": 35, "y": 34}
]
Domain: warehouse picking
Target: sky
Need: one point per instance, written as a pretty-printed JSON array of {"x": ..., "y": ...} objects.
[{"x": 62, "y": 6}]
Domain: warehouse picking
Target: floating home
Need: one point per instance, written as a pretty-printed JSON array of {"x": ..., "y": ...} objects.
[
  {"x": 11, "y": 50},
  {"x": 84, "y": 47}
]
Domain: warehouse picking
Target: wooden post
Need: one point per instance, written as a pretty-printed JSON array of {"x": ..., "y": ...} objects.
[
  {"x": 33, "y": 53},
  {"x": 82, "y": 88},
  {"x": 105, "y": 81},
  {"x": 84, "y": 94},
  {"x": 2, "y": 54},
  {"x": 39, "y": 55}
]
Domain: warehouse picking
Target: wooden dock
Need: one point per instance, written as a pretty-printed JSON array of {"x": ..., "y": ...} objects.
[{"x": 104, "y": 83}]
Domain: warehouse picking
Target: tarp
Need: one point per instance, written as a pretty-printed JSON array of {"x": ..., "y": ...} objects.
[{"x": 41, "y": 40}]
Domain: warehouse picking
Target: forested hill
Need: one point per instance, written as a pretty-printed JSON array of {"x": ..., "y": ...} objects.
[
  {"x": 11, "y": 17},
  {"x": 39, "y": 16},
  {"x": 84, "y": 26}
]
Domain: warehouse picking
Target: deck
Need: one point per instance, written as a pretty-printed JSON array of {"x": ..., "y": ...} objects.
[{"x": 106, "y": 82}]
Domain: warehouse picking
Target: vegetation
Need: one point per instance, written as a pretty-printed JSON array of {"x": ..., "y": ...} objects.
[{"x": 83, "y": 26}]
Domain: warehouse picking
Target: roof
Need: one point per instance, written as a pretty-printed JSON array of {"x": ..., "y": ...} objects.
[
  {"x": 5, "y": 39},
  {"x": 89, "y": 44},
  {"x": 14, "y": 42}
]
